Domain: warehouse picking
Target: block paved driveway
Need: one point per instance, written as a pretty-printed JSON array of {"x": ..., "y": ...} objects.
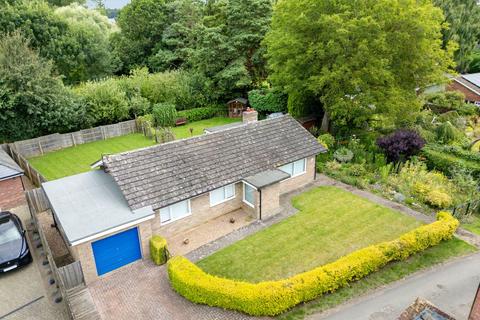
[{"x": 142, "y": 291}]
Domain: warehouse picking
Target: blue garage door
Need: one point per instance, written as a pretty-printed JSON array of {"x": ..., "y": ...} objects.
[{"x": 115, "y": 251}]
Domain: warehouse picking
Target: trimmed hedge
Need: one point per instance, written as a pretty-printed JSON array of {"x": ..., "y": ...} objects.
[
  {"x": 448, "y": 158},
  {"x": 200, "y": 113},
  {"x": 271, "y": 298},
  {"x": 158, "y": 250}
]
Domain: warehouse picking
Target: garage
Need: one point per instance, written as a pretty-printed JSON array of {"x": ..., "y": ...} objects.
[{"x": 116, "y": 251}]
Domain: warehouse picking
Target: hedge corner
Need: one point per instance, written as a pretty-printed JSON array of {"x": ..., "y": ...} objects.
[{"x": 158, "y": 250}]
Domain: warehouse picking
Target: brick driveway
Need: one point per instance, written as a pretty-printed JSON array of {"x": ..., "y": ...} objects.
[{"x": 142, "y": 291}]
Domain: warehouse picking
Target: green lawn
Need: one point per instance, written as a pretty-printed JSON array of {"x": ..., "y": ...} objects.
[
  {"x": 389, "y": 273},
  {"x": 473, "y": 225},
  {"x": 331, "y": 223},
  {"x": 74, "y": 160}
]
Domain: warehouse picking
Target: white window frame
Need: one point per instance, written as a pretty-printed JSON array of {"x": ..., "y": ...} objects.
[
  {"x": 225, "y": 199},
  {"x": 189, "y": 213},
  {"x": 292, "y": 164},
  {"x": 243, "y": 195}
]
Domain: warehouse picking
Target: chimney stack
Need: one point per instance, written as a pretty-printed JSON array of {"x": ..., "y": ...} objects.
[{"x": 249, "y": 116}]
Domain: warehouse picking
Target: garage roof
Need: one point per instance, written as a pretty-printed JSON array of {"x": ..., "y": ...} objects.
[
  {"x": 90, "y": 205},
  {"x": 8, "y": 167}
]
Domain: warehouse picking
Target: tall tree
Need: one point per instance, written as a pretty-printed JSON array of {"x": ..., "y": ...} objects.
[
  {"x": 86, "y": 53},
  {"x": 142, "y": 23},
  {"x": 228, "y": 48},
  {"x": 463, "y": 18},
  {"x": 360, "y": 59},
  {"x": 33, "y": 102}
]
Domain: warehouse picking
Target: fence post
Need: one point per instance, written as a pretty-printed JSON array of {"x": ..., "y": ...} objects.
[
  {"x": 40, "y": 147},
  {"x": 73, "y": 139}
]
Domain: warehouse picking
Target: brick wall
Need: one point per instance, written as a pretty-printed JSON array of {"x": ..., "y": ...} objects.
[
  {"x": 201, "y": 212},
  {"x": 84, "y": 252},
  {"x": 301, "y": 180},
  {"x": 469, "y": 95},
  {"x": 270, "y": 201},
  {"x": 11, "y": 193}
]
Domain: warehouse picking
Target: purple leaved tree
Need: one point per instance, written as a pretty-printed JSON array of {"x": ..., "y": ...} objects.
[{"x": 401, "y": 145}]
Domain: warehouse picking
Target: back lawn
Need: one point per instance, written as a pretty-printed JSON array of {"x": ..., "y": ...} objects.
[
  {"x": 330, "y": 223},
  {"x": 74, "y": 160}
]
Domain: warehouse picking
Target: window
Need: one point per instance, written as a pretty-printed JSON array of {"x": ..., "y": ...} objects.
[
  {"x": 223, "y": 194},
  {"x": 249, "y": 195},
  {"x": 294, "y": 168},
  {"x": 175, "y": 211}
]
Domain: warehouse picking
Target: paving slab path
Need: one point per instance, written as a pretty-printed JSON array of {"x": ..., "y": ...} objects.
[{"x": 450, "y": 286}]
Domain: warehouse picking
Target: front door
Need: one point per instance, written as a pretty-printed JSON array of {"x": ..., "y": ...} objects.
[{"x": 249, "y": 195}]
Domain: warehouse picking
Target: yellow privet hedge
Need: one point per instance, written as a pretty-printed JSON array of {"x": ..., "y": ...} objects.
[
  {"x": 158, "y": 249},
  {"x": 271, "y": 298}
]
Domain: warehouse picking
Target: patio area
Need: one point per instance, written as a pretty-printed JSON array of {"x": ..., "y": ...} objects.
[{"x": 207, "y": 232}]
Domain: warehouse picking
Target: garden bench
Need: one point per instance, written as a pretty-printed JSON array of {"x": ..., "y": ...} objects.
[{"x": 180, "y": 121}]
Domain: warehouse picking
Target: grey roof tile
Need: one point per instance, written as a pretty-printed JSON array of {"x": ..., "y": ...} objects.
[
  {"x": 167, "y": 173},
  {"x": 8, "y": 167}
]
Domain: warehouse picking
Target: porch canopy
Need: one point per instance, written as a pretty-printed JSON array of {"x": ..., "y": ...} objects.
[{"x": 266, "y": 178}]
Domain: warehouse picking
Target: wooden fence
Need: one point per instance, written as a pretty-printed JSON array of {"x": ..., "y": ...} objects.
[
  {"x": 35, "y": 177},
  {"x": 69, "y": 278},
  {"x": 41, "y": 145}
]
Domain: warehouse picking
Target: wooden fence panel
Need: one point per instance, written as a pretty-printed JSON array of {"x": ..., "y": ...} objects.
[
  {"x": 71, "y": 275},
  {"x": 37, "y": 200},
  {"x": 41, "y": 145}
]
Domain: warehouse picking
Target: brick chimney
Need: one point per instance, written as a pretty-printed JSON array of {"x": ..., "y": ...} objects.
[{"x": 249, "y": 116}]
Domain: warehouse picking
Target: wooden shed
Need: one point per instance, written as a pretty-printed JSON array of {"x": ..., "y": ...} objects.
[{"x": 236, "y": 107}]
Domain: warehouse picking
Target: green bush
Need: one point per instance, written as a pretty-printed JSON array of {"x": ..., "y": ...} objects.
[
  {"x": 268, "y": 100},
  {"x": 158, "y": 250},
  {"x": 270, "y": 298},
  {"x": 343, "y": 155},
  {"x": 327, "y": 140},
  {"x": 164, "y": 115},
  {"x": 447, "y": 133},
  {"x": 450, "y": 158},
  {"x": 201, "y": 113}
]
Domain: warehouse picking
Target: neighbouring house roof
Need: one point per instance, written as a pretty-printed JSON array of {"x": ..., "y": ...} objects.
[
  {"x": 470, "y": 81},
  {"x": 266, "y": 178},
  {"x": 89, "y": 204},
  {"x": 241, "y": 100},
  {"x": 164, "y": 174},
  {"x": 8, "y": 167},
  {"x": 422, "y": 309}
]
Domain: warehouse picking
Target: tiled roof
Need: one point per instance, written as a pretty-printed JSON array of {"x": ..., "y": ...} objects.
[
  {"x": 8, "y": 167},
  {"x": 468, "y": 84},
  {"x": 167, "y": 173}
]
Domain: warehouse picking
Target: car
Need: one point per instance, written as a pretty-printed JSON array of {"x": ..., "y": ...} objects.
[{"x": 14, "y": 251}]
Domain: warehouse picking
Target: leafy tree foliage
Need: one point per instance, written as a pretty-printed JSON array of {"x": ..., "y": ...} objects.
[
  {"x": 33, "y": 102},
  {"x": 268, "y": 100},
  {"x": 142, "y": 23},
  {"x": 87, "y": 52},
  {"x": 228, "y": 49},
  {"x": 360, "y": 59},
  {"x": 73, "y": 37},
  {"x": 463, "y": 18},
  {"x": 401, "y": 145},
  {"x": 164, "y": 115}
]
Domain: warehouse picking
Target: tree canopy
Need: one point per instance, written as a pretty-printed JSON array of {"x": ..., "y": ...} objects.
[{"x": 359, "y": 59}]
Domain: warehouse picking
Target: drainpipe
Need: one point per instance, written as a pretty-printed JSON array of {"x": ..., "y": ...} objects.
[{"x": 260, "y": 204}]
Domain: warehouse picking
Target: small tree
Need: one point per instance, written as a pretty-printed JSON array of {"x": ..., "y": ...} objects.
[
  {"x": 164, "y": 116},
  {"x": 401, "y": 145}
]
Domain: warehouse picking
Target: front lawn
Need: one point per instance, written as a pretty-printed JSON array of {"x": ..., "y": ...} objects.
[
  {"x": 331, "y": 223},
  {"x": 473, "y": 224},
  {"x": 74, "y": 160}
]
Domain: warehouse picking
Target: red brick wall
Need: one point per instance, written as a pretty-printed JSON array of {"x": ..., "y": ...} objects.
[
  {"x": 469, "y": 95},
  {"x": 11, "y": 193},
  {"x": 475, "y": 312}
]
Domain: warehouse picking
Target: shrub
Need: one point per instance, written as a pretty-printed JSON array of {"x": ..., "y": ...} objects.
[
  {"x": 164, "y": 115},
  {"x": 343, "y": 155},
  {"x": 447, "y": 133},
  {"x": 448, "y": 159},
  {"x": 439, "y": 199},
  {"x": 268, "y": 100},
  {"x": 201, "y": 113},
  {"x": 158, "y": 250},
  {"x": 401, "y": 145},
  {"x": 271, "y": 298},
  {"x": 327, "y": 140}
]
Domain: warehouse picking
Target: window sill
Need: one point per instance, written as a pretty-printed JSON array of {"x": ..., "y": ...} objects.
[
  {"x": 170, "y": 221},
  {"x": 249, "y": 204}
]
